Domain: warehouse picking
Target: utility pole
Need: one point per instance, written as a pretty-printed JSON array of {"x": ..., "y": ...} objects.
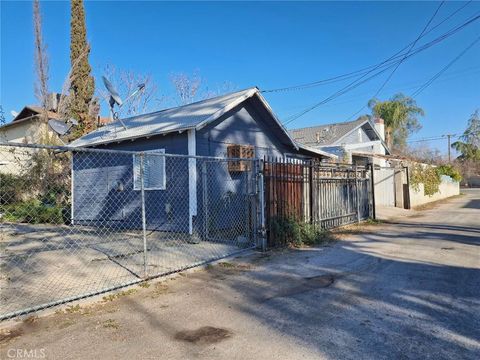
[{"x": 448, "y": 137}]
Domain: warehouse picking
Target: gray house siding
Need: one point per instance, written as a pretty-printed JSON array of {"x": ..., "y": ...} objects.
[
  {"x": 96, "y": 176},
  {"x": 355, "y": 138},
  {"x": 242, "y": 125}
]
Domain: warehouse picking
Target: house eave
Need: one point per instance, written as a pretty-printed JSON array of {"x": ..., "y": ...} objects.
[{"x": 131, "y": 138}]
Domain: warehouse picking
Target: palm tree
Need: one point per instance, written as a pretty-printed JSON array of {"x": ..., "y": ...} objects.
[
  {"x": 469, "y": 143},
  {"x": 400, "y": 115}
]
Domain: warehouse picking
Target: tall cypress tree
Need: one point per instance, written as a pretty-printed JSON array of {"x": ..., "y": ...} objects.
[{"x": 82, "y": 85}]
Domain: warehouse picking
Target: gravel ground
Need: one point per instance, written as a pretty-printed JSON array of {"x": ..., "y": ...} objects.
[{"x": 405, "y": 289}]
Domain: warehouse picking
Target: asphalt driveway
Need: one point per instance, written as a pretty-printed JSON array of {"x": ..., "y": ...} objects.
[{"x": 407, "y": 289}]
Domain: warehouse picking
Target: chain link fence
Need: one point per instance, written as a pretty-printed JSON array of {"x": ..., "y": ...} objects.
[{"x": 78, "y": 222}]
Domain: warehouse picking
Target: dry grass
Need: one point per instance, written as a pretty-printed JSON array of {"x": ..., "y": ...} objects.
[{"x": 119, "y": 295}]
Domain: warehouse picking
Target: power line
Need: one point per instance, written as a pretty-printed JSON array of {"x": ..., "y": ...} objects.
[
  {"x": 349, "y": 75},
  {"x": 433, "y": 138},
  {"x": 357, "y": 82},
  {"x": 445, "y": 68},
  {"x": 403, "y": 59},
  {"x": 411, "y": 48}
]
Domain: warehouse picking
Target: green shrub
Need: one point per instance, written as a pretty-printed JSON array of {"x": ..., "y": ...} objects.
[
  {"x": 11, "y": 189},
  {"x": 33, "y": 212},
  {"x": 426, "y": 175},
  {"x": 451, "y": 171},
  {"x": 288, "y": 231}
]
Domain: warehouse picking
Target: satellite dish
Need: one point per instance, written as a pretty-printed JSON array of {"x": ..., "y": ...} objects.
[
  {"x": 116, "y": 99},
  {"x": 14, "y": 113},
  {"x": 60, "y": 127},
  {"x": 113, "y": 93}
]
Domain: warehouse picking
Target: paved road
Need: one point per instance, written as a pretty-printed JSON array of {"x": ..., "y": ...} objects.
[{"x": 406, "y": 290}]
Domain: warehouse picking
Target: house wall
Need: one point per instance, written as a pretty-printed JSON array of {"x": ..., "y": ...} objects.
[
  {"x": 356, "y": 137},
  {"x": 31, "y": 132},
  {"x": 243, "y": 125},
  {"x": 96, "y": 176}
]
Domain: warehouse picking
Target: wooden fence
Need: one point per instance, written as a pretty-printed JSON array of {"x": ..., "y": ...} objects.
[{"x": 324, "y": 195}]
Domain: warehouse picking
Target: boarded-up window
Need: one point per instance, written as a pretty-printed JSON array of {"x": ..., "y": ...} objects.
[
  {"x": 243, "y": 152},
  {"x": 153, "y": 171}
]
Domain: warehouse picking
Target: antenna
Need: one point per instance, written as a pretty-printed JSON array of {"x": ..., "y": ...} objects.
[{"x": 116, "y": 99}]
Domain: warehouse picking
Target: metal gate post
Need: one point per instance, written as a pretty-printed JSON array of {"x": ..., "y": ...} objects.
[
  {"x": 205, "y": 200},
  {"x": 372, "y": 189},
  {"x": 358, "y": 196},
  {"x": 261, "y": 203},
  {"x": 144, "y": 225}
]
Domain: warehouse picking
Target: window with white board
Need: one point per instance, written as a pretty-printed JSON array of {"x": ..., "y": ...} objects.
[{"x": 153, "y": 171}]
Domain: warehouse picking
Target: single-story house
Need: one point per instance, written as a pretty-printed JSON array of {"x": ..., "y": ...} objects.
[
  {"x": 239, "y": 124},
  {"x": 353, "y": 142}
]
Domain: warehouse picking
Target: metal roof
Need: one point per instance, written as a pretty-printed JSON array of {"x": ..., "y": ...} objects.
[{"x": 195, "y": 115}]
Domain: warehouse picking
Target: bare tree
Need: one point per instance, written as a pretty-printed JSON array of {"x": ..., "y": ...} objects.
[
  {"x": 186, "y": 87},
  {"x": 41, "y": 58},
  {"x": 190, "y": 88},
  {"x": 126, "y": 82}
]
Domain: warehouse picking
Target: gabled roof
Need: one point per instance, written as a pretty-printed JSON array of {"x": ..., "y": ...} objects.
[
  {"x": 325, "y": 134},
  {"x": 332, "y": 134},
  {"x": 29, "y": 113},
  {"x": 178, "y": 119}
]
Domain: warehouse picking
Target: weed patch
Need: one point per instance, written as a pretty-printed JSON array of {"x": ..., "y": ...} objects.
[
  {"x": 144, "y": 285},
  {"x": 160, "y": 289},
  {"x": 111, "y": 324},
  {"x": 73, "y": 309},
  {"x": 112, "y": 297}
]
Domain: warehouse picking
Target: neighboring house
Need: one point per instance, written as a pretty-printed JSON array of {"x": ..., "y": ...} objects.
[
  {"x": 353, "y": 141},
  {"x": 240, "y": 123},
  {"x": 27, "y": 127}
]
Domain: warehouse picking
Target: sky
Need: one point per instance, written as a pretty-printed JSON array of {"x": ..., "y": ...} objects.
[{"x": 266, "y": 44}]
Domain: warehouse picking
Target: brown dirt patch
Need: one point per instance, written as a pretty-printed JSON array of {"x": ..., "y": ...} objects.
[
  {"x": 204, "y": 335},
  {"x": 7, "y": 335}
]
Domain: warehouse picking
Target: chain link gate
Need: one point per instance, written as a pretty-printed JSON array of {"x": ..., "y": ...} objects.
[{"x": 79, "y": 222}]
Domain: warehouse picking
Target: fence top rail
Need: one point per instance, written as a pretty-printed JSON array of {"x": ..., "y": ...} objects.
[
  {"x": 64, "y": 148},
  {"x": 312, "y": 163}
]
